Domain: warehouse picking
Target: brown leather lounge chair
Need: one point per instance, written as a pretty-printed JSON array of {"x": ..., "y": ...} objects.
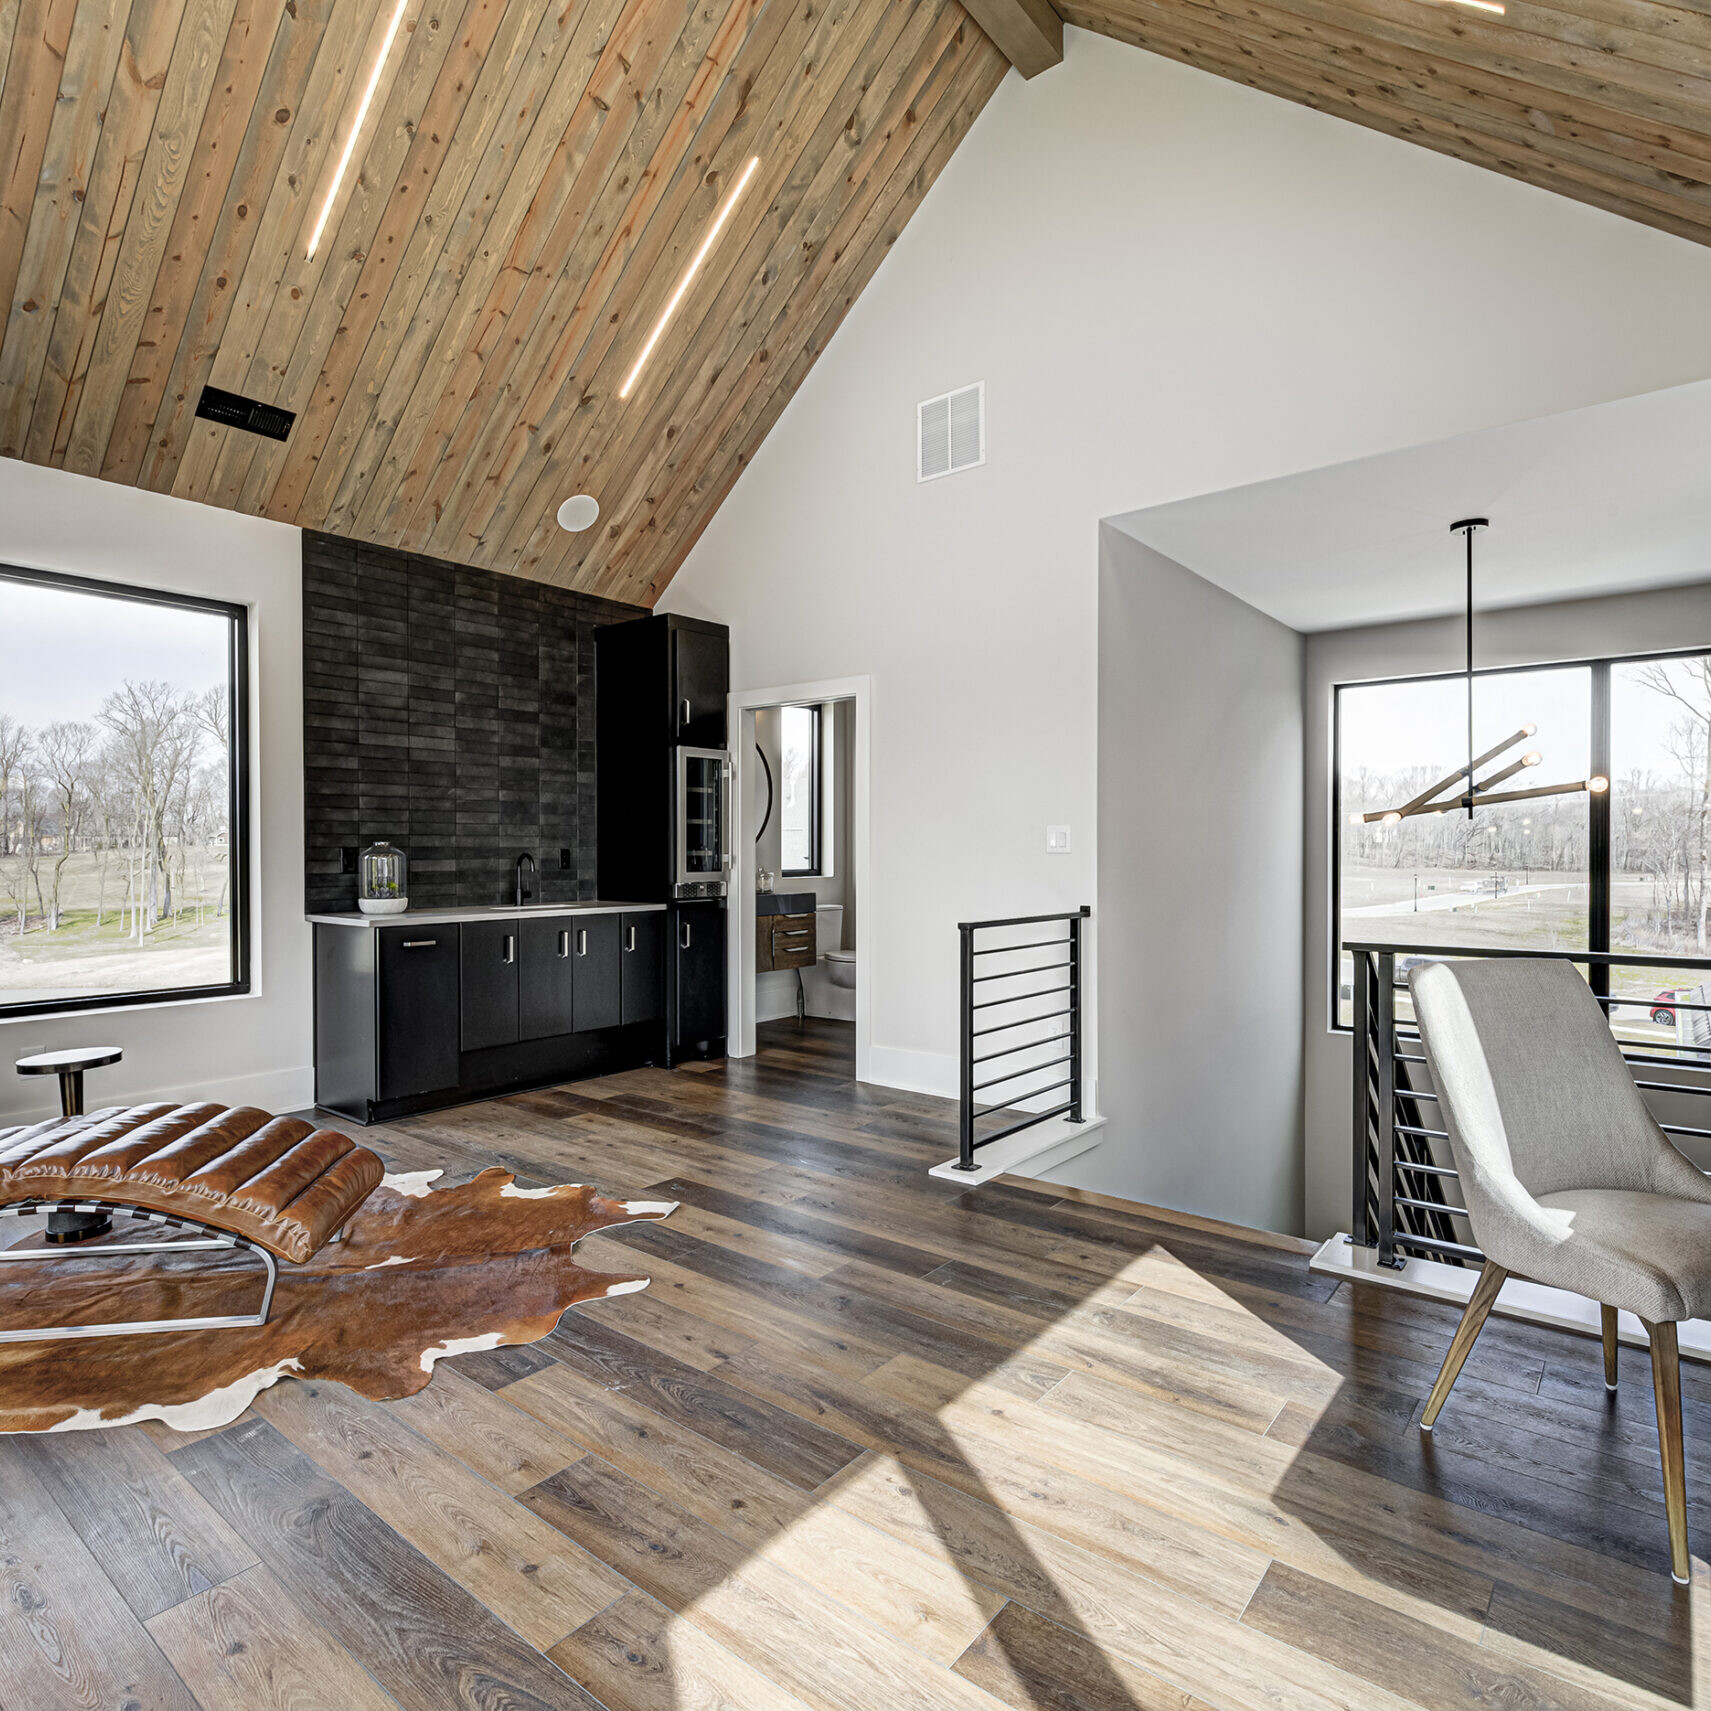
[{"x": 276, "y": 1187}]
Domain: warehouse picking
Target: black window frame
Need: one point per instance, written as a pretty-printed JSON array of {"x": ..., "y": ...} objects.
[
  {"x": 1598, "y": 804},
  {"x": 816, "y": 805},
  {"x": 238, "y": 790}
]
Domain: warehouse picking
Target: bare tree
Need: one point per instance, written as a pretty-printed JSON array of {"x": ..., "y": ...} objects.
[
  {"x": 67, "y": 750},
  {"x": 154, "y": 740}
]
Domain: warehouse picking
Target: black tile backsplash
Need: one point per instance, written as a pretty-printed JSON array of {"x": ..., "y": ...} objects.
[{"x": 450, "y": 710}]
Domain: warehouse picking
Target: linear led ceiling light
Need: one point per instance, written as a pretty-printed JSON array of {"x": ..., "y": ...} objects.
[
  {"x": 1478, "y": 793},
  {"x": 689, "y": 272},
  {"x": 356, "y": 126}
]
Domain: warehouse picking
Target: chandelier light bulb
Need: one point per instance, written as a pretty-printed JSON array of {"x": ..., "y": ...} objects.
[
  {"x": 1391, "y": 819},
  {"x": 1528, "y": 730},
  {"x": 1598, "y": 784},
  {"x": 1531, "y": 759}
]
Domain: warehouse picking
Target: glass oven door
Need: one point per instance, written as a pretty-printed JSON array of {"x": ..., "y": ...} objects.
[{"x": 704, "y": 850}]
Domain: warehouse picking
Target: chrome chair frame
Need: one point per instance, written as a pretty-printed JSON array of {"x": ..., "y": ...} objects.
[{"x": 204, "y": 1236}]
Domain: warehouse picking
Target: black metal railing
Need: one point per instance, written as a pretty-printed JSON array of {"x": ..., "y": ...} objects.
[
  {"x": 1402, "y": 1158},
  {"x": 993, "y": 1031}
]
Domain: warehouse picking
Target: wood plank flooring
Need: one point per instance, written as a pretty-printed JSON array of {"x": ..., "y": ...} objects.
[{"x": 871, "y": 1442}]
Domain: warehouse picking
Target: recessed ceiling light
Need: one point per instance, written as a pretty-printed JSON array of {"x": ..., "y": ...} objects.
[
  {"x": 1480, "y": 5},
  {"x": 356, "y": 125},
  {"x": 689, "y": 273},
  {"x": 581, "y": 511}
]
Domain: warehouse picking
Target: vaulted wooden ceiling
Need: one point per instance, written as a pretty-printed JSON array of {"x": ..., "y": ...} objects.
[
  {"x": 532, "y": 180},
  {"x": 530, "y": 184}
]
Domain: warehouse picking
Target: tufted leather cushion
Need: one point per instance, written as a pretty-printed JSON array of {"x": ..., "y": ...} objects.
[{"x": 278, "y": 1181}]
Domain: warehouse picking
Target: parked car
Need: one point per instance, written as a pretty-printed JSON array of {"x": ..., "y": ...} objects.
[{"x": 1662, "y": 1014}]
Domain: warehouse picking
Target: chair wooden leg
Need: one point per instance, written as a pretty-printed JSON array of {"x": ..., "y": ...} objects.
[
  {"x": 1608, "y": 1314},
  {"x": 1461, "y": 1344},
  {"x": 1666, "y": 1385}
]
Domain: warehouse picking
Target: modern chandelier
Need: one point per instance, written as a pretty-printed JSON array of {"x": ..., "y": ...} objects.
[{"x": 1475, "y": 792}]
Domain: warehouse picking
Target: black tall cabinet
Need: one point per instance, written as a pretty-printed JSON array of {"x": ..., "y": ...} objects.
[{"x": 662, "y": 688}]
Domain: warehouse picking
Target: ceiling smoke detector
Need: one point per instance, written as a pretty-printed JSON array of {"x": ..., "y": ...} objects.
[{"x": 582, "y": 511}]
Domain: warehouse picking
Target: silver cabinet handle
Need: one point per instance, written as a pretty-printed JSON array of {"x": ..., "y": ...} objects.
[
  {"x": 418, "y": 944},
  {"x": 684, "y": 708},
  {"x": 510, "y": 952},
  {"x": 683, "y": 934},
  {"x": 582, "y": 941},
  {"x": 630, "y": 939},
  {"x": 564, "y": 943}
]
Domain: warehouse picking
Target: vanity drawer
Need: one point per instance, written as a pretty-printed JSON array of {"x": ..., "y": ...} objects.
[{"x": 784, "y": 941}]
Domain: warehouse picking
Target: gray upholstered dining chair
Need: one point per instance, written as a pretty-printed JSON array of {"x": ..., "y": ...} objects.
[{"x": 1566, "y": 1177}]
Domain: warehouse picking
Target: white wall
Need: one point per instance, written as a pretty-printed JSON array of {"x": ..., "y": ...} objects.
[
  {"x": 1170, "y": 284},
  {"x": 250, "y": 1050},
  {"x": 1525, "y": 635},
  {"x": 1199, "y": 896}
]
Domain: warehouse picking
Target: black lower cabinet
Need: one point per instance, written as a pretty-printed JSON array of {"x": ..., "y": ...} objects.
[
  {"x": 411, "y": 1018},
  {"x": 417, "y": 1022},
  {"x": 695, "y": 1000},
  {"x": 642, "y": 967},
  {"x": 490, "y": 986},
  {"x": 546, "y": 977},
  {"x": 596, "y": 960}
]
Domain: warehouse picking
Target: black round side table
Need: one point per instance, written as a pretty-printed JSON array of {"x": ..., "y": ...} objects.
[{"x": 69, "y": 1066}]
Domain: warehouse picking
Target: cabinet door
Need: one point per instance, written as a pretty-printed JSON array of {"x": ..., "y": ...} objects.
[
  {"x": 489, "y": 975},
  {"x": 417, "y": 1033},
  {"x": 701, "y": 679},
  {"x": 594, "y": 940},
  {"x": 642, "y": 967},
  {"x": 545, "y": 979},
  {"x": 700, "y": 968}
]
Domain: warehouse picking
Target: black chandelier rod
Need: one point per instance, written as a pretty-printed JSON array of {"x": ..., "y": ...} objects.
[{"x": 1465, "y": 528}]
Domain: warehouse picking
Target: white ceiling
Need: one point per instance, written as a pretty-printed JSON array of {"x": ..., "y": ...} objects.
[{"x": 1597, "y": 501}]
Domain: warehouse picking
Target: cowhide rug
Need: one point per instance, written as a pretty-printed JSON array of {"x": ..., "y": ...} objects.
[{"x": 421, "y": 1274}]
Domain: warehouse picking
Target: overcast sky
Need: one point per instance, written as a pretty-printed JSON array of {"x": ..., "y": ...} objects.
[{"x": 62, "y": 651}]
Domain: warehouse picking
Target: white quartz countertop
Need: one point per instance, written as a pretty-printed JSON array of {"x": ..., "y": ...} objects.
[{"x": 486, "y": 912}]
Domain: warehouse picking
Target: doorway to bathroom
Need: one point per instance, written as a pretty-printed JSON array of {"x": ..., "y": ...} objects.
[{"x": 799, "y": 911}]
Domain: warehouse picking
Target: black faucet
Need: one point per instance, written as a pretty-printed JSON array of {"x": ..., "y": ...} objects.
[{"x": 523, "y": 893}]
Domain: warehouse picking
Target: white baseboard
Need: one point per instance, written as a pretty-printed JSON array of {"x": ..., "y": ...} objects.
[
  {"x": 913, "y": 1072},
  {"x": 271, "y": 1090},
  {"x": 1043, "y": 1147},
  {"x": 1533, "y": 1302}
]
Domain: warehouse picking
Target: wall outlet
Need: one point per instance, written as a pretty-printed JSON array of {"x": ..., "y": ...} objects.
[
  {"x": 564, "y": 860},
  {"x": 1057, "y": 840}
]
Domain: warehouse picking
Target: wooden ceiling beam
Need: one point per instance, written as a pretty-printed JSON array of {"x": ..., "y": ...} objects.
[{"x": 1029, "y": 33}]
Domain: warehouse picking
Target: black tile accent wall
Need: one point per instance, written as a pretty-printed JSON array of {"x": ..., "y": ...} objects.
[{"x": 450, "y": 710}]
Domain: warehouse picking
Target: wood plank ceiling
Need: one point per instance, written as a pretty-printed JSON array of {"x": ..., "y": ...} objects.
[
  {"x": 533, "y": 178},
  {"x": 530, "y": 184}
]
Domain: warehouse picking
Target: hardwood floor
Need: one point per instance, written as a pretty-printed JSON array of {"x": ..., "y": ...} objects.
[{"x": 869, "y": 1442}]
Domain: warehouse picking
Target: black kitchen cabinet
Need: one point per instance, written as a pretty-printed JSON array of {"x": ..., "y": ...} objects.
[
  {"x": 701, "y": 679},
  {"x": 488, "y": 966},
  {"x": 641, "y": 982},
  {"x": 417, "y": 1015},
  {"x": 695, "y": 1020},
  {"x": 596, "y": 940},
  {"x": 545, "y": 976}
]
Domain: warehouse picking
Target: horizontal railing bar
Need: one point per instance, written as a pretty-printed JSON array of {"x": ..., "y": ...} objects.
[
  {"x": 1612, "y": 959},
  {"x": 1670, "y": 1087},
  {"x": 1415, "y": 1093},
  {"x": 1026, "y": 945},
  {"x": 1425, "y": 1169},
  {"x": 1020, "y": 1022},
  {"x": 1021, "y": 997},
  {"x": 1427, "y": 1134},
  {"x": 1017, "y": 1127},
  {"x": 1637, "y": 1002},
  {"x": 1032, "y": 1093},
  {"x": 1035, "y": 920},
  {"x": 1017, "y": 973},
  {"x": 1017, "y": 1074},
  {"x": 1432, "y": 1245},
  {"x": 1026, "y": 1045},
  {"x": 1682, "y": 1129},
  {"x": 1430, "y": 1205}
]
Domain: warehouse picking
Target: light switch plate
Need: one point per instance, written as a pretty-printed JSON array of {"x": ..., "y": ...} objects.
[{"x": 1057, "y": 840}]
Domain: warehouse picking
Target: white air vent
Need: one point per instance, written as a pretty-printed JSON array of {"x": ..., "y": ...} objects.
[{"x": 950, "y": 433}]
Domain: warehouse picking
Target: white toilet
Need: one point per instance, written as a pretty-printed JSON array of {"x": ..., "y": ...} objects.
[{"x": 840, "y": 964}]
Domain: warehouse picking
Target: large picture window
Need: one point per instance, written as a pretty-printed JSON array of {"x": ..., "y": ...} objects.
[
  {"x": 122, "y": 795},
  {"x": 1629, "y": 870}
]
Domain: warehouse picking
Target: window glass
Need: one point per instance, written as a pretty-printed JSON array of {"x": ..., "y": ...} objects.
[
  {"x": 117, "y": 732},
  {"x": 1513, "y": 875},
  {"x": 799, "y": 790}
]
